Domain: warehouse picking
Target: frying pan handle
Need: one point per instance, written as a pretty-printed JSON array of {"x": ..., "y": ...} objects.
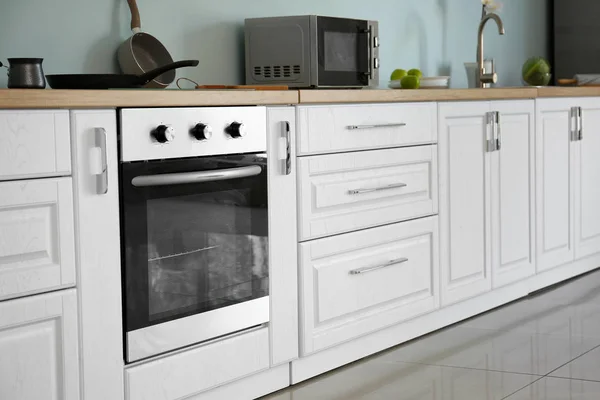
[
  {"x": 136, "y": 21},
  {"x": 155, "y": 73}
]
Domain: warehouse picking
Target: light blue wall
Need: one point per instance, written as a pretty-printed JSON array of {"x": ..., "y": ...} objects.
[{"x": 436, "y": 35}]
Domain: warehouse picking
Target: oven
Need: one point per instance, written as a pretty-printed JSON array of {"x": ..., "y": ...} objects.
[{"x": 194, "y": 244}]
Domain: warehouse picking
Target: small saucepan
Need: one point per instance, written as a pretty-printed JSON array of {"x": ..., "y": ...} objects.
[
  {"x": 113, "y": 81},
  {"x": 143, "y": 52}
]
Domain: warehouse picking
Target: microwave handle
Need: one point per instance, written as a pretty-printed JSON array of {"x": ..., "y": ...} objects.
[
  {"x": 184, "y": 178},
  {"x": 372, "y": 44}
]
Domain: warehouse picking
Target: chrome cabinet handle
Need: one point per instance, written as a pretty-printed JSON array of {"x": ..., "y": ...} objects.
[
  {"x": 102, "y": 177},
  {"x": 357, "y": 127},
  {"x": 574, "y": 118},
  {"x": 377, "y": 189},
  {"x": 195, "y": 177},
  {"x": 498, "y": 129},
  {"x": 371, "y": 269},
  {"x": 287, "y": 163},
  {"x": 490, "y": 144},
  {"x": 580, "y": 123}
]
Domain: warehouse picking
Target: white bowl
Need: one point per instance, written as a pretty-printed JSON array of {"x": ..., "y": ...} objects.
[{"x": 433, "y": 82}]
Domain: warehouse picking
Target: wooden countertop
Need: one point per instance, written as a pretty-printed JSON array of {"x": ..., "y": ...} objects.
[
  {"x": 388, "y": 95},
  {"x": 20, "y": 98},
  {"x": 50, "y": 98}
]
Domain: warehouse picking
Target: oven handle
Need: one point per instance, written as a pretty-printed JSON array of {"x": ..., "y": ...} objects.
[{"x": 184, "y": 178}]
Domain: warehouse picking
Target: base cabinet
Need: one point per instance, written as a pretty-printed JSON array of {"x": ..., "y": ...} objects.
[
  {"x": 486, "y": 196},
  {"x": 567, "y": 175},
  {"x": 39, "y": 348}
]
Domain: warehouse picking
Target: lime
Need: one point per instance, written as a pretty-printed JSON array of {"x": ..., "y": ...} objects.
[
  {"x": 411, "y": 82},
  {"x": 398, "y": 74},
  {"x": 416, "y": 72}
]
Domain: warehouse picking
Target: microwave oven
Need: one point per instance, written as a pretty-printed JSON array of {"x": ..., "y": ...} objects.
[{"x": 312, "y": 52}]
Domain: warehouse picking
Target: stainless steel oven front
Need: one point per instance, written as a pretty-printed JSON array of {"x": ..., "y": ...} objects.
[{"x": 194, "y": 228}]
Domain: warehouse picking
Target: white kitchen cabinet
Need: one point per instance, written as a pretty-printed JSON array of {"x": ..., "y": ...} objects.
[
  {"x": 283, "y": 248},
  {"x": 465, "y": 181},
  {"x": 567, "y": 173},
  {"x": 360, "y": 282},
  {"x": 486, "y": 197},
  {"x": 96, "y": 199},
  {"x": 39, "y": 348},
  {"x": 34, "y": 144},
  {"x": 513, "y": 194},
  {"x": 586, "y": 171},
  {"x": 37, "y": 244}
]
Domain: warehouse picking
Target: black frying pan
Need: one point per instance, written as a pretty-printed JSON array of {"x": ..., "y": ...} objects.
[{"x": 112, "y": 81}]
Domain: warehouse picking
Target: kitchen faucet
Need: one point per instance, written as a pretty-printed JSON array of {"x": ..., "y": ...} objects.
[{"x": 483, "y": 77}]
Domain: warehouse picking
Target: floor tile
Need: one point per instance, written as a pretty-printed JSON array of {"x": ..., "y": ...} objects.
[
  {"x": 586, "y": 367},
  {"x": 559, "y": 389},
  {"x": 543, "y": 318},
  {"x": 400, "y": 381},
  {"x": 517, "y": 352}
]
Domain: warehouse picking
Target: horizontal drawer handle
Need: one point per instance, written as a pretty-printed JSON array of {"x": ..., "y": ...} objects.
[
  {"x": 355, "y": 127},
  {"x": 377, "y": 189},
  {"x": 371, "y": 269}
]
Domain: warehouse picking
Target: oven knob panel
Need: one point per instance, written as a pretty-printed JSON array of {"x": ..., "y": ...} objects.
[
  {"x": 236, "y": 130},
  {"x": 163, "y": 134},
  {"x": 202, "y": 132}
]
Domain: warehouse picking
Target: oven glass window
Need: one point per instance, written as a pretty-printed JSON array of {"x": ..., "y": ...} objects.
[
  {"x": 202, "y": 254},
  {"x": 340, "y": 51},
  {"x": 195, "y": 247}
]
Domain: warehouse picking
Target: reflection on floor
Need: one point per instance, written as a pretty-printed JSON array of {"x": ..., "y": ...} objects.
[{"x": 545, "y": 347}]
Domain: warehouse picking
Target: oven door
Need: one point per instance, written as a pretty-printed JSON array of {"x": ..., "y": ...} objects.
[
  {"x": 195, "y": 246},
  {"x": 344, "y": 52}
]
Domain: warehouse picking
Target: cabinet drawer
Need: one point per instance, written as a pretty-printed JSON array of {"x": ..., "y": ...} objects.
[
  {"x": 360, "y": 282},
  {"x": 34, "y": 143},
  {"x": 37, "y": 246},
  {"x": 188, "y": 373},
  {"x": 334, "y": 129},
  {"x": 345, "y": 192},
  {"x": 39, "y": 347}
]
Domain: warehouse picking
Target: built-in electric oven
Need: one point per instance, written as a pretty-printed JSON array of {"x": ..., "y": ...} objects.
[{"x": 194, "y": 233}]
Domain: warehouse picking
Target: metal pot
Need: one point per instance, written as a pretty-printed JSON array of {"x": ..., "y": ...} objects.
[
  {"x": 26, "y": 73},
  {"x": 143, "y": 52}
]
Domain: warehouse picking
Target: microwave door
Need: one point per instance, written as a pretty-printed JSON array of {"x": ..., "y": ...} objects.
[{"x": 343, "y": 52}]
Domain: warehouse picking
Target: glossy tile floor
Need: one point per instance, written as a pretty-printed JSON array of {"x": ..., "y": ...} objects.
[{"x": 545, "y": 347}]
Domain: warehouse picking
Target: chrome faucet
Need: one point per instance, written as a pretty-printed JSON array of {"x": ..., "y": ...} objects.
[{"x": 484, "y": 77}]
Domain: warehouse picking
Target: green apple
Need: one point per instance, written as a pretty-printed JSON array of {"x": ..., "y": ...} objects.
[
  {"x": 416, "y": 72},
  {"x": 398, "y": 74},
  {"x": 411, "y": 82}
]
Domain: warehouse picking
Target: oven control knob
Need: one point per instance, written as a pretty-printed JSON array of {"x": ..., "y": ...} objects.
[
  {"x": 236, "y": 130},
  {"x": 202, "y": 132},
  {"x": 163, "y": 134}
]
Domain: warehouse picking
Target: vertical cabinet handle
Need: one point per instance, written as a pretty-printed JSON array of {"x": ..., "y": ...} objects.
[
  {"x": 497, "y": 130},
  {"x": 287, "y": 162},
  {"x": 580, "y": 123},
  {"x": 574, "y": 123},
  {"x": 102, "y": 177},
  {"x": 490, "y": 123}
]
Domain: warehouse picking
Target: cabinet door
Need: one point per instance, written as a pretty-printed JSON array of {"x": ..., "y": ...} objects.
[
  {"x": 513, "y": 196},
  {"x": 587, "y": 181},
  {"x": 37, "y": 246},
  {"x": 283, "y": 238},
  {"x": 554, "y": 179},
  {"x": 39, "y": 348},
  {"x": 464, "y": 193},
  {"x": 96, "y": 198}
]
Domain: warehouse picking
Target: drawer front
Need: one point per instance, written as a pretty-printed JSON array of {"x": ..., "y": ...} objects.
[
  {"x": 34, "y": 143},
  {"x": 361, "y": 282},
  {"x": 191, "y": 372},
  {"x": 37, "y": 245},
  {"x": 340, "y": 128},
  {"x": 346, "y": 192}
]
